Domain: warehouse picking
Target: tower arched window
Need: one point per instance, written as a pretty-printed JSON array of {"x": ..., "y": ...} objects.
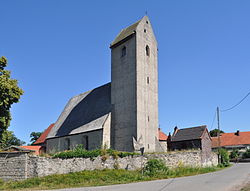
[
  {"x": 124, "y": 51},
  {"x": 147, "y": 50}
]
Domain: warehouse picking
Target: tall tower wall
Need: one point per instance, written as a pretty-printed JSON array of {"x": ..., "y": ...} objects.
[
  {"x": 134, "y": 88},
  {"x": 147, "y": 85},
  {"x": 123, "y": 95}
]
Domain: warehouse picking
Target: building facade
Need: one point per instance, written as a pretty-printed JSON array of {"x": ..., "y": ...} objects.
[{"x": 122, "y": 114}]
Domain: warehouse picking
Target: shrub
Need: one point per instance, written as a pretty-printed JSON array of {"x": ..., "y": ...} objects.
[
  {"x": 80, "y": 152},
  {"x": 223, "y": 153},
  {"x": 1, "y": 182},
  {"x": 246, "y": 154},
  {"x": 154, "y": 167},
  {"x": 234, "y": 154}
]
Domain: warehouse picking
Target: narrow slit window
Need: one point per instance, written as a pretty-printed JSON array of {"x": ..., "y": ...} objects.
[
  {"x": 124, "y": 51},
  {"x": 86, "y": 142},
  {"x": 147, "y": 80},
  {"x": 148, "y": 118},
  {"x": 147, "y": 51},
  {"x": 67, "y": 143}
]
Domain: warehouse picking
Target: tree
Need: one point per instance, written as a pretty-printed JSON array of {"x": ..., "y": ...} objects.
[
  {"x": 214, "y": 133},
  {"x": 9, "y": 93},
  {"x": 224, "y": 157},
  {"x": 34, "y": 136},
  {"x": 9, "y": 139},
  {"x": 234, "y": 154}
]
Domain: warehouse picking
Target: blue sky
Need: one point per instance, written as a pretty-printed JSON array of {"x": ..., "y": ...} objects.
[{"x": 58, "y": 49}]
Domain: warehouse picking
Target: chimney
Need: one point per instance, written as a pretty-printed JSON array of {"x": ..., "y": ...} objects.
[
  {"x": 175, "y": 130},
  {"x": 169, "y": 142},
  {"x": 169, "y": 137},
  {"x": 237, "y": 133}
]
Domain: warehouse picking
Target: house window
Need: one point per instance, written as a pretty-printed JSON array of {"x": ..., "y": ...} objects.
[
  {"x": 86, "y": 142},
  {"x": 124, "y": 51},
  {"x": 148, "y": 80},
  {"x": 67, "y": 141},
  {"x": 147, "y": 51}
]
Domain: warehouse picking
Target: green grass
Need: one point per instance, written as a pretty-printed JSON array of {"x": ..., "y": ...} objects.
[
  {"x": 246, "y": 187},
  {"x": 98, "y": 178}
]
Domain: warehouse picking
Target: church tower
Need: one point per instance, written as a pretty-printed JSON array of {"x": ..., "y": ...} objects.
[{"x": 134, "y": 88}]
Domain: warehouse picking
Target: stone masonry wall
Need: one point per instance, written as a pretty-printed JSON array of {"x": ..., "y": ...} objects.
[
  {"x": 23, "y": 166},
  {"x": 13, "y": 166}
]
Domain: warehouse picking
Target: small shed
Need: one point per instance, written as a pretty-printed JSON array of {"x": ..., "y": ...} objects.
[{"x": 190, "y": 138}]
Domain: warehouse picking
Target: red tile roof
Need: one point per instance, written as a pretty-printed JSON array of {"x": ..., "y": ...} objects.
[
  {"x": 33, "y": 148},
  {"x": 162, "y": 136},
  {"x": 231, "y": 139},
  {"x": 44, "y": 135}
]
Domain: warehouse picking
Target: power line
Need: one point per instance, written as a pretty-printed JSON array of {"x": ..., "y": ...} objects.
[
  {"x": 213, "y": 121},
  {"x": 236, "y": 104}
]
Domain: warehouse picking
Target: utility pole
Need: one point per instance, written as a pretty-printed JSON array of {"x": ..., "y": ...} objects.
[{"x": 218, "y": 134}]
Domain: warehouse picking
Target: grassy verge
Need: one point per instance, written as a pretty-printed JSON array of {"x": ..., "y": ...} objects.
[
  {"x": 246, "y": 187},
  {"x": 100, "y": 177}
]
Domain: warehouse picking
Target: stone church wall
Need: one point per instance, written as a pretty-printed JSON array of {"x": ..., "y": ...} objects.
[
  {"x": 95, "y": 140},
  {"x": 17, "y": 166}
]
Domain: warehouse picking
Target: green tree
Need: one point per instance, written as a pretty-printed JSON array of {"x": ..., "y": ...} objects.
[
  {"x": 214, "y": 133},
  {"x": 234, "y": 154},
  {"x": 9, "y": 93},
  {"x": 224, "y": 157},
  {"x": 34, "y": 136},
  {"x": 9, "y": 139},
  {"x": 246, "y": 154}
]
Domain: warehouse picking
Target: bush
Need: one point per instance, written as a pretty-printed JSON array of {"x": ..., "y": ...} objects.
[
  {"x": 1, "y": 182},
  {"x": 246, "y": 154},
  {"x": 80, "y": 152},
  {"x": 234, "y": 154},
  {"x": 154, "y": 167},
  {"x": 223, "y": 153}
]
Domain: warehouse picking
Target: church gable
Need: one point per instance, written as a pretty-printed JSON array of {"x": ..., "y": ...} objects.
[{"x": 83, "y": 113}]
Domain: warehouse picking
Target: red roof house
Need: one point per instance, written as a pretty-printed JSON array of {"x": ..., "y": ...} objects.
[
  {"x": 36, "y": 149},
  {"x": 162, "y": 136},
  {"x": 41, "y": 140},
  {"x": 239, "y": 140}
]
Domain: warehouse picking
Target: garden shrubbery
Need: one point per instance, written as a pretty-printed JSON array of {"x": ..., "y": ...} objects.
[
  {"x": 224, "y": 157},
  {"x": 246, "y": 154},
  {"x": 80, "y": 152},
  {"x": 234, "y": 154},
  {"x": 155, "y": 166}
]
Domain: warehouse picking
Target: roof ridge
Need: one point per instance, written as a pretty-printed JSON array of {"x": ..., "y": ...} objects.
[
  {"x": 193, "y": 127},
  {"x": 125, "y": 32}
]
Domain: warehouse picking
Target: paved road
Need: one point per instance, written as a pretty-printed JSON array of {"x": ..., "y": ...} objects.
[{"x": 229, "y": 179}]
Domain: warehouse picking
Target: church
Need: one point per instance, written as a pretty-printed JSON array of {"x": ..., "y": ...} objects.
[{"x": 122, "y": 114}]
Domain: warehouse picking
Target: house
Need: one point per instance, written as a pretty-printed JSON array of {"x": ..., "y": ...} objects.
[
  {"x": 122, "y": 114},
  {"x": 41, "y": 141},
  {"x": 36, "y": 150},
  {"x": 237, "y": 140},
  {"x": 163, "y": 147},
  {"x": 191, "y": 138}
]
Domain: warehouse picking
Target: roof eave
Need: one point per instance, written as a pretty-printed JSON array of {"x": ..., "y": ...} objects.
[{"x": 122, "y": 41}]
